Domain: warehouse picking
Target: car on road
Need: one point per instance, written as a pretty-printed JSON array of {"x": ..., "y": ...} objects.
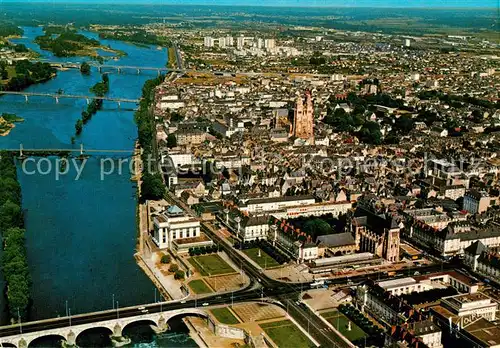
[
  {"x": 183, "y": 302},
  {"x": 205, "y": 304},
  {"x": 144, "y": 311},
  {"x": 141, "y": 308}
]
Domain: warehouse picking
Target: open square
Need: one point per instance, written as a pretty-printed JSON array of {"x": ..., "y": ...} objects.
[
  {"x": 249, "y": 312},
  {"x": 199, "y": 287},
  {"x": 224, "y": 316},
  {"x": 285, "y": 334},
  {"x": 340, "y": 322},
  {"x": 264, "y": 261},
  {"x": 208, "y": 265}
]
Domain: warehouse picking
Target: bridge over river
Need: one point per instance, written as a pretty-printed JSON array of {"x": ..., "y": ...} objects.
[
  {"x": 57, "y": 96},
  {"x": 108, "y": 67},
  {"x": 115, "y": 320}
]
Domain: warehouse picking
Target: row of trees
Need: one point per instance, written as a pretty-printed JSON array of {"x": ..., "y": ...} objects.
[
  {"x": 203, "y": 250},
  {"x": 152, "y": 186},
  {"x": 27, "y": 74},
  {"x": 95, "y": 105},
  {"x": 264, "y": 245},
  {"x": 458, "y": 100},
  {"x": 14, "y": 260},
  {"x": 374, "y": 333},
  {"x": 174, "y": 268}
]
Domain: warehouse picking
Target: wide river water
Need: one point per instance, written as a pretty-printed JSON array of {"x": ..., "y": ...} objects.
[{"x": 81, "y": 234}]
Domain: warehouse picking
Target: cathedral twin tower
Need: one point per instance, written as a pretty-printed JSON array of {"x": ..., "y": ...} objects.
[{"x": 303, "y": 120}]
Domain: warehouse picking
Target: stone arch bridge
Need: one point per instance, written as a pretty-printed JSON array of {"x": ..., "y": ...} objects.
[{"x": 115, "y": 326}]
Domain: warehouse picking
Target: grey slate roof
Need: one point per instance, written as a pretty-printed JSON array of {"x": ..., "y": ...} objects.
[
  {"x": 475, "y": 248},
  {"x": 336, "y": 240}
]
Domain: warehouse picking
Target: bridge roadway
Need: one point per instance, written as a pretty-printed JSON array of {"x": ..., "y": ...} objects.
[
  {"x": 274, "y": 289},
  {"x": 180, "y": 69},
  {"x": 70, "y": 96}
]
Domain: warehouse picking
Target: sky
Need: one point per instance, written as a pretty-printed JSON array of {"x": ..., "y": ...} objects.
[{"x": 308, "y": 3}]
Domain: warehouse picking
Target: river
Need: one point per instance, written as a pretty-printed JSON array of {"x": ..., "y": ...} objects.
[{"x": 81, "y": 234}]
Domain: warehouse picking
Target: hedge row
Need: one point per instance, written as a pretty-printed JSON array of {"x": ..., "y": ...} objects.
[
  {"x": 374, "y": 333},
  {"x": 203, "y": 250}
]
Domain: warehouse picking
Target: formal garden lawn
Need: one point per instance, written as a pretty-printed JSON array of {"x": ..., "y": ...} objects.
[
  {"x": 225, "y": 316},
  {"x": 284, "y": 333},
  {"x": 199, "y": 287},
  {"x": 209, "y": 265},
  {"x": 264, "y": 261},
  {"x": 340, "y": 322}
]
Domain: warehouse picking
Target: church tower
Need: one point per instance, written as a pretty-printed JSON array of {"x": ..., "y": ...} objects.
[{"x": 303, "y": 120}]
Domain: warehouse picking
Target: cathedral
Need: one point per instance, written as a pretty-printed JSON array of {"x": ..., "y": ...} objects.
[{"x": 303, "y": 120}]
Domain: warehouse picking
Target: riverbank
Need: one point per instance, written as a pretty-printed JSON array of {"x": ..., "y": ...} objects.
[
  {"x": 71, "y": 256},
  {"x": 14, "y": 258},
  {"x": 172, "y": 58}
]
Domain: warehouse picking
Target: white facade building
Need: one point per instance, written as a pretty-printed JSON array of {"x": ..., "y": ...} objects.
[
  {"x": 240, "y": 42},
  {"x": 174, "y": 224},
  {"x": 278, "y": 203},
  {"x": 269, "y": 44},
  {"x": 471, "y": 306},
  {"x": 208, "y": 41},
  {"x": 229, "y": 41},
  {"x": 179, "y": 159}
]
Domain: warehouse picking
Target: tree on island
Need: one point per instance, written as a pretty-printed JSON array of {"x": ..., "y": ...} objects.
[
  {"x": 79, "y": 126},
  {"x": 171, "y": 141},
  {"x": 86, "y": 116},
  {"x": 85, "y": 68}
]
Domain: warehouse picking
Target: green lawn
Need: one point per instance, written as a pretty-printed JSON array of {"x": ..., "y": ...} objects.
[
  {"x": 264, "y": 261},
  {"x": 285, "y": 334},
  {"x": 225, "y": 316},
  {"x": 342, "y": 321},
  {"x": 211, "y": 264},
  {"x": 199, "y": 287}
]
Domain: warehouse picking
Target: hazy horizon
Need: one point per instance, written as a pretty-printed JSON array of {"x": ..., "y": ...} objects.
[{"x": 431, "y": 4}]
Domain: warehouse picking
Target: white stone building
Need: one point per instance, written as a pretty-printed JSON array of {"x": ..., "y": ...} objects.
[{"x": 174, "y": 224}]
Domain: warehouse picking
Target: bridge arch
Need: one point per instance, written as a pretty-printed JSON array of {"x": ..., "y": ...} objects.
[
  {"x": 195, "y": 313},
  {"x": 43, "y": 341},
  {"x": 142, "y": 330},
  {"x": 100, "y": 336},
  {"x": 139, "y": 321}
]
